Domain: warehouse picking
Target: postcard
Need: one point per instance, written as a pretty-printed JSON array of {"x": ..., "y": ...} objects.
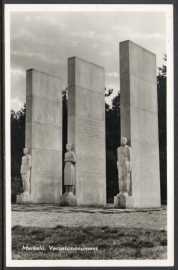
[{"x": 89, "y": 135}]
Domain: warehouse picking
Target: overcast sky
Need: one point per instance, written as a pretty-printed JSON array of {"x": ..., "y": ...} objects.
[{"x": 45, "y": 40}]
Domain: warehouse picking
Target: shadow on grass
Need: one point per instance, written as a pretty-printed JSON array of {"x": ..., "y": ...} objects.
[{"x": 60, "y": 243}]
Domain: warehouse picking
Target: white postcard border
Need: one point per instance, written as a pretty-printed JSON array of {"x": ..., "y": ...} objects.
[{"x": 168, "y": 9}]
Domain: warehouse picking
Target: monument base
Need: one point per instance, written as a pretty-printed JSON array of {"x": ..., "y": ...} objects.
[
  {"x": 123, "y": 202},
  {"x": 68, "y": 199},
  {"x": 24, "y": 198}
]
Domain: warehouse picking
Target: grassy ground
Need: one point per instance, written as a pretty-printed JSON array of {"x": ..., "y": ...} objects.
[{"x": 112, "y": 243}]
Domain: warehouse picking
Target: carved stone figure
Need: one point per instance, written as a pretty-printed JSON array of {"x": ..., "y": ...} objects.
[
  {"x": 25, "y": 171},
  {"x": 124, "y": 167},
  {"x": 69, "y": 171}
]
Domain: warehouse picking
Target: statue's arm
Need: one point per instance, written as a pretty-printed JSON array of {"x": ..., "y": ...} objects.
[
  {"x": 71, "y": 159},
  {"x": 129, "y": 158},
  {"x": 29, "y": 161},
  {"x": 129, "y": 154},
  {"x": 21, "y": 167},
  {"x": 67, "y": 159}
]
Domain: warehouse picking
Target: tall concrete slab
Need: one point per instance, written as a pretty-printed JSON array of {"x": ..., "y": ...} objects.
[
  {"x": 86, "y": 129},
  {"x": 44, "y": 135},
  {"x": 139, "y": 121}
]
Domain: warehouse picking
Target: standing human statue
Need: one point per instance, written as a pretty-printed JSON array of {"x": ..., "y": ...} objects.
[
  {"x": 69, "y": 171},
  {"x": 124, "y": 167},
  {"x": 25, "y": 171}
]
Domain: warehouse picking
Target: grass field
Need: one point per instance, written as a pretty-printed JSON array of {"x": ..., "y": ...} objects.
[{"x": 112, "y": 243}]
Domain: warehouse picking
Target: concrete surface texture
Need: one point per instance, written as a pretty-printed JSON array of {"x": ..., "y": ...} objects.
[
  {"x": 86, "y": 129},
  {"x": 139, "y": 121},
  {"x": 44, "y": 135}
]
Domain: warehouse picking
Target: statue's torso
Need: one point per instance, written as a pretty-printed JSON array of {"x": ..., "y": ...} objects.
[
  {"x": 69, "y": 173},
  {"x": 123, "y": 153},
  {"x": 69, "y": 154},
  {"x": 26, "y": 160}
]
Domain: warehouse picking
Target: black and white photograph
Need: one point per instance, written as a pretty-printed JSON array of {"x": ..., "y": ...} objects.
[{"x": 88, "y": 114}]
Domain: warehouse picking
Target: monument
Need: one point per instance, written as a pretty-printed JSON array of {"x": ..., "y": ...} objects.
[
  {"x": 43, "y": 137},
  {"x": 139, "y": 121},
  {"x": 68, "y": 198},
  {"x": 86, "y": 129}
]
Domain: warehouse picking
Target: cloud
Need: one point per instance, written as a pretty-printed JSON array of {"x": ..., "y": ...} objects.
[
  {"x": 112, "y": 74},
  {"x": 89, "y": 34},
  {"x": 40, "y": 55},
  {"x": 140, "y": 35},
  {"x": 44, "y": 40},
  {"x": 27, "y": 18},
  {"x": 18, "y": 72},
  {"x": 24, "y": 33},
  {"x": 94, "y": 45},
  {"x": 16, "y": 104},
  {"x": 105, "y": 53},
  {"x": 118, "y": 27},
  {"x": 73, "y": 43},
  {"x": 82, "y": 33}
]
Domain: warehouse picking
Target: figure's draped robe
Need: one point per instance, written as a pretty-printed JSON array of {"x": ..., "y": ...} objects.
[
  {"x": 124, "y": 167},
  {"x": 69, "y": 171}
]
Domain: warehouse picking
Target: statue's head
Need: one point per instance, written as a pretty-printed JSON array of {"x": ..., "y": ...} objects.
[
  {"x": 25, "y": 150},
  {"x": 123, "y": 141},
  {"x": 68, "y": 146}
]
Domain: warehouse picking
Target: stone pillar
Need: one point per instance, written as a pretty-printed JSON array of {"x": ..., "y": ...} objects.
[
  {"x": 43, "y": 136},
  {"x": 86, "y": 129},
  {"x": 139, "y": 121}
]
